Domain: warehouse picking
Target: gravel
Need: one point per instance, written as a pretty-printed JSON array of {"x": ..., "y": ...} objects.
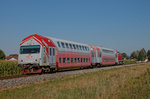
[{"x": 31, "y": 79}]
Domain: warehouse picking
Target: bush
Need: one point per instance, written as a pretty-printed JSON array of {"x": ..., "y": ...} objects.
[{"x": 9, "y": 68}]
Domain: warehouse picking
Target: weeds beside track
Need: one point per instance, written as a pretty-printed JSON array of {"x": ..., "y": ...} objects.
[{"x": 9, "y": 68}]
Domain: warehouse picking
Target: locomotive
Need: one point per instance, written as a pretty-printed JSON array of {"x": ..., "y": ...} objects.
[{"x": 44, "y": 54}]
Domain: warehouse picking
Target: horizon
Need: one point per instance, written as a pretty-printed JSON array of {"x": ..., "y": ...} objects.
[{"x": 120, "y": 25}]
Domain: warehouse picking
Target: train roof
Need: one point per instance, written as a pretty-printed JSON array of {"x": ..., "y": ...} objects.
[{"x": 65, "y": 41}]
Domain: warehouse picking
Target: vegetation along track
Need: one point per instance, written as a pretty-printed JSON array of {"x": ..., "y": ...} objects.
[{"x": 26, "y": 79}]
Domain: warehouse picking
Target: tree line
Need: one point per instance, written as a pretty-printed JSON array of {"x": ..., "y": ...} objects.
[{"x": 139, "y": 55}]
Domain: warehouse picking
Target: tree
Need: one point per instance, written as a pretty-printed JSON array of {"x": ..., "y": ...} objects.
[
  {"x": 142, "y": 55},
  {"x": 2, "y": 54},
  {"x": 124, "y": 56},
  {"x": 134, "y": 54},
  {"x": 148, "y": 54}
]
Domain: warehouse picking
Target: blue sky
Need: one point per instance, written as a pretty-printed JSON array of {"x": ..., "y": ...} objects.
[{"x": 120, "y": 24}]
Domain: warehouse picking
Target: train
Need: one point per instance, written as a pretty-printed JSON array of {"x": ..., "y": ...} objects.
[{"x": 38, "y": 54}]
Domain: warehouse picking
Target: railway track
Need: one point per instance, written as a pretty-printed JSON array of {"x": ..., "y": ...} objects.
[{"x": 7, "y": 82}]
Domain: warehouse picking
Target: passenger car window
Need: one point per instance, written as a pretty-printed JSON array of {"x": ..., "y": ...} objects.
[
  {"x": 58, "y": 44},
  {"x": 62, "y": 44}
]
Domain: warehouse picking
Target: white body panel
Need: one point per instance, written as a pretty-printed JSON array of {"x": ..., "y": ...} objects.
[{"x": 34, "y": 58}]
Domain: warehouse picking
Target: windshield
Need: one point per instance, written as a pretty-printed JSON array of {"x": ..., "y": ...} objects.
[{"x": 29, "y": 49}]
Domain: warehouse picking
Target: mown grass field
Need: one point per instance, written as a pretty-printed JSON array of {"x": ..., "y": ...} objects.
[
  {"x": 121, "y": 83},
  {"x": 9, "y": 68}
]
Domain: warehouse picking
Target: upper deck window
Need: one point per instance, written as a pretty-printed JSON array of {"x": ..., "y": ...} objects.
[
  {"x": 77, "y": 47},
  {"x": 67, "y": 46},
  {"x": 74, "y": 46},
  {"x": 80, "y": 47},
  {"x": 70, "y": 46},
  {"x": 108, "y": 51},
  {"x": 30, "y": 49},
  {"x": 58, "y": 44},
  {"x": 83, "y": 47},
  {"x": 63, "y": 44}
]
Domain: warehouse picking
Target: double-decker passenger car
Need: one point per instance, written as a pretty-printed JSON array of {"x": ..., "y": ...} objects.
[{"x": 40, "y": 53}]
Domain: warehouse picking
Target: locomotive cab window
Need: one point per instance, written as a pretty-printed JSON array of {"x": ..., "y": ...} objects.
[{"x": 32, "y": 49}]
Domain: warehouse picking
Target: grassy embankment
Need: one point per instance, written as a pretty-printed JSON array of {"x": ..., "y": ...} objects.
[
  {"x": 9, "y": 68},
  {"x": 121, "y": 83}
]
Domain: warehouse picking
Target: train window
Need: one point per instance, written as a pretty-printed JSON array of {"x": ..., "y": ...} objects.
[
  {"x": 78, "y": 60},
  {"x": 64, "y": 60},
  {"x": 77, "y": 47},
  {"x": 70, "y": 46},
  {"x": 108, "y": 51},
  {"x": 84, "y": 60},
  {"x": 88, "y": 48},
  {"x": 71, "y": 60},
  {"x": 80, "y": 47},
  {"x": 67, "y": 46},
  {"x": 92, "y": 53},
  {"x": 89, "y": 59},
  {"x": 99, "y": 54},
  {"x": 50, "y": 51},
  {"x": 81, "y": 60},
  {"x": 83, "y": 47},
  {"x": 53, "y": 51},
  {"x": 58, "y": 44},
  {"x": 60, "y": 60},
  {"x": 68, "y": 60},
  {"x": 63, "y": 45},
  {"x": 74, "y": 46},
  {"x": 75, "y": 60}
]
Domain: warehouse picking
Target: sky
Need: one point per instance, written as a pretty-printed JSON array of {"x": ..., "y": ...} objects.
[{"x": 119, "y": 24}]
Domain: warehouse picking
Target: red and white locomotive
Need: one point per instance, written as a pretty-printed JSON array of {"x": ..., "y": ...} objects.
[{"x": 40, "y": 53}]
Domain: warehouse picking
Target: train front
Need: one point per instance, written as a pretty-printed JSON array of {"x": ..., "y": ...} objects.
[{"x": 30, "y": 56}]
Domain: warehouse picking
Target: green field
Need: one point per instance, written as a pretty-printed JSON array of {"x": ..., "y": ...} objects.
[
  {"x": 121, "y": 83},
  {"x": 9, "y": 68}
]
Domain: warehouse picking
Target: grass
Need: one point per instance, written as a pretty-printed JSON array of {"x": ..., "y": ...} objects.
[
  {"x": 129, "y": 61},
  {"x": 121, "y": 83},
  {"x": 137, "y": 88},
  {"x": 9, "y": 68}
]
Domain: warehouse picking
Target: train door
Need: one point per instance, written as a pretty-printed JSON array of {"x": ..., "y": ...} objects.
[
  {"x": 44, "y": 57},
  {"x": 98, "y": 59},
  {"x": 52, "y": 57},
  {"x": 96, "y": 56},
  {"x": 93, "y": 57},
  {"x": 116, "y": 56}
]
